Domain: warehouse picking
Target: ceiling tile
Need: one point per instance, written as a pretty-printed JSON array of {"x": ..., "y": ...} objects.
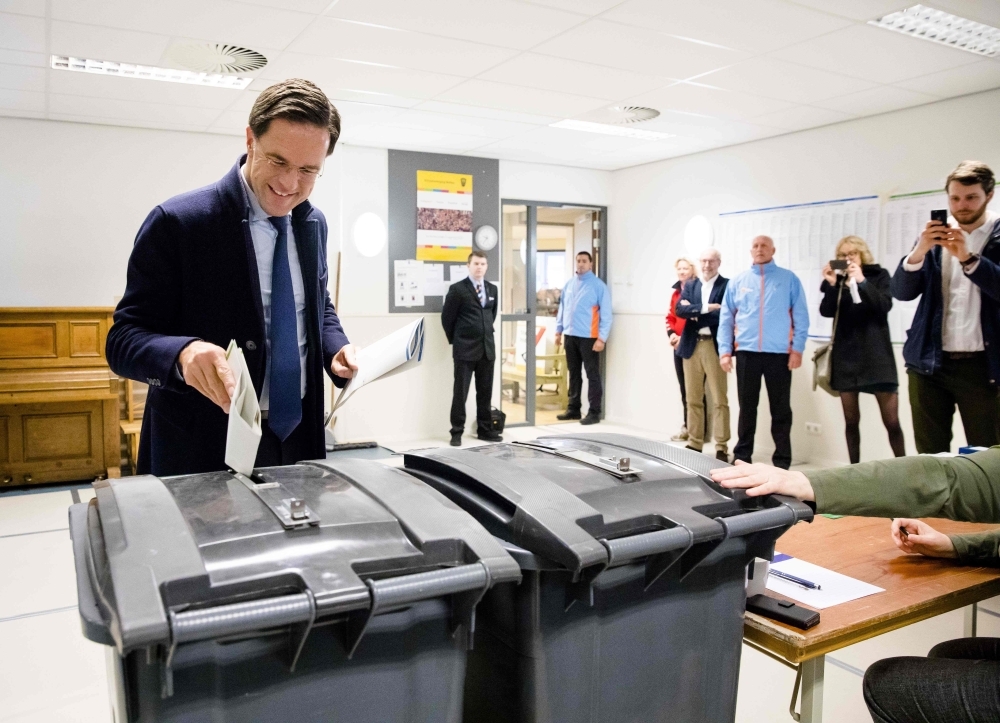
[
  {"x": 756, "y": 26},
  {"x": 638, "y": 49},
  {"x": 22, "y": 100},
  {"x": 877, "y": 100},
  {"x": 463, "y": 125},
  {"x": 359, "y": 115},
  {"x": 716, "y": 102},
  {"x": 556, "y": 138},
  {"x": 386, "y": 136},
  {"x": 20, "y": 57},
  {"x": 984, "y": 75},
  {"x": 982, "y": 11},
  {"x": 475, "y": 111},
  {"x": 571, "y": 76},
  {"x": 587, "y": 7},
  {"x": 23, "y": 7},
  {"x": 22, "y": 77},
  {"x": 518, "y": 98},
  {"x": 352, "y": 75},
  {"x": 801, "y": 117},
  {"x": 339, "y": 95},
  {"x": 100, "y": 43},
  {"x": 158, "y": 124},
  {"x": 557, "y": 156},
  {"x": 130, "y": 110},
  {"x": 143, "y": 91},
  {"x": 785, "y": 81},
  {"x": 497, "y": 22},
  {"x": 875, "y": 54},
  {"x": 335, "y": 38},
  {"x": 22, "y": 32},
  {"x": 857, "y": 9},
  {"x": 230, "y": 123},
  {"x": 257, "y": 27},
  {"x": 315, "y": 7}
]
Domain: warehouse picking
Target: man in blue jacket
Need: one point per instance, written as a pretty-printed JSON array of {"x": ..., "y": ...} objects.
[
  {"x": 952, "y": 349},
  {"x": 243, "y": 259},
  {"x": 765, "y": 320},
  {"x": 583, "y": 323}
]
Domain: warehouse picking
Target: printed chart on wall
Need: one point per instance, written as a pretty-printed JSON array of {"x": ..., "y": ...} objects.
[
  {"x": 804, "y": 235},
  {"x": 444, "y": 216}
]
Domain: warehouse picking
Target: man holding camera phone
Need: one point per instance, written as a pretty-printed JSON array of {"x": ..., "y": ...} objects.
[{"x": 952, "y": 350}]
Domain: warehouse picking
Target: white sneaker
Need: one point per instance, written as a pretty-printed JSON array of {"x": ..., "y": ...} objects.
[{"x": 681, "y": 436}]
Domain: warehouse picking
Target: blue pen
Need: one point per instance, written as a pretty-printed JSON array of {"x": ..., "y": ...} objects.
[{"x": 797, "y": 580}]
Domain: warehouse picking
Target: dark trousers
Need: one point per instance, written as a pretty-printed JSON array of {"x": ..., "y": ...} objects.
[
  {"x": 272, "y": 452},
  {"x": 750, "y": 367},
  {"x": 958, "y": 682},
  {"x": 483, "y": 369},
  {"x": 580, "y": 351},
  {"x": 964, "y": 382}
]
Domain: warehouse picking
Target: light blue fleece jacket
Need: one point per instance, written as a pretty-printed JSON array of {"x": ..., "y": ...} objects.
[
  {"x": 585, "y": 308},
  {"x": 764, "y": 309}
]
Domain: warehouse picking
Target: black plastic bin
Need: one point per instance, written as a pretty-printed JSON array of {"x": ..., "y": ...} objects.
[
  {"x": 330, "y": 591},
  {"x": 631, "y": 608}
]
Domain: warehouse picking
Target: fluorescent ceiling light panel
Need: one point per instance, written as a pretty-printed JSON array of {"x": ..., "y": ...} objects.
[
  {"x": 148, "y": 72},
  {"x": 938, "y": 26},
  {"x": 627, "y": 132}
]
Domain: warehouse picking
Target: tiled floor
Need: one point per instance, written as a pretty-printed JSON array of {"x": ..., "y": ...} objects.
[{"x": 50, "y": 673}]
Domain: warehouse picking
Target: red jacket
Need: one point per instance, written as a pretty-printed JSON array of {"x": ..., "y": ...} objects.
[{"x": 675, "y": 323}]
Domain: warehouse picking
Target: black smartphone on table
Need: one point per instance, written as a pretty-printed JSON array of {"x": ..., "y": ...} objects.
[{"x": 940, "y": 215}]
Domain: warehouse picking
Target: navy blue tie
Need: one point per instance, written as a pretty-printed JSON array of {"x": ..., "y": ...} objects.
[{"x": 285, "y": 398}]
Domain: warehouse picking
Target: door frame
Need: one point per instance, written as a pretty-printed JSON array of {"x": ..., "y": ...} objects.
[{"x": 531, "y": 251}]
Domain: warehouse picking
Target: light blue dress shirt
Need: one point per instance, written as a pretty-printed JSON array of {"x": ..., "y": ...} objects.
[{"x": 264, "y": 236}]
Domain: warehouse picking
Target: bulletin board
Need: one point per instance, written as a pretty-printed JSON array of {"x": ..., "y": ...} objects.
[{"x": 436, "y": 204}]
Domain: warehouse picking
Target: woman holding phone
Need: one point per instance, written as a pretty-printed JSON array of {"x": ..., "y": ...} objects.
[{"x": 862, "y": 357}]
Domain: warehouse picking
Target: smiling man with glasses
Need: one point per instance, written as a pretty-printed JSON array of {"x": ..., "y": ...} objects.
[{"x": 243, "y": 259}]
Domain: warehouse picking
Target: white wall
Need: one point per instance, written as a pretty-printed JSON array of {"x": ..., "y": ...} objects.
[
  {"x": 72, "y": 197},
  {"x": 909, "y": 150}
]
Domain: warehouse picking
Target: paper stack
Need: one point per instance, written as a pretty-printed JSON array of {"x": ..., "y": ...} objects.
[
  {"x": 390, "y": 355},
  {"x": 243, "y": 437}
]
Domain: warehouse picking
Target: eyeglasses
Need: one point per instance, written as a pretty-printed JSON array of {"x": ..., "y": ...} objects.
[
  {"x": 848, "y": 254},
  {"x": 308, "y": 174}
]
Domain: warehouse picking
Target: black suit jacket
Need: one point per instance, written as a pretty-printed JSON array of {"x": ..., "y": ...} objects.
[
  {"x": 193, "y": 275},
  {"x": 693, "y": 317},
  {"x": 469, "y": 326}
]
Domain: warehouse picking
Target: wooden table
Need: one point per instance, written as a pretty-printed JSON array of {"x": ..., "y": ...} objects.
[{"x": 916, "y": 588}]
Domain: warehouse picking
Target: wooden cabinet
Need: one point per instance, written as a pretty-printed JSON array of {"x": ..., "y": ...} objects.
[{"x": 58, "y": 398}]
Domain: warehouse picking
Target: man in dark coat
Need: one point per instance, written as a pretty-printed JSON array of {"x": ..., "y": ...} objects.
[
  {"x": 243, "y": 259},
  {"x": 470, "y": 308}
]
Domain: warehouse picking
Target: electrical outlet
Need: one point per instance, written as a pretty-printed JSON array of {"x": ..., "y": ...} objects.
[{"x": 813, "y": 428}]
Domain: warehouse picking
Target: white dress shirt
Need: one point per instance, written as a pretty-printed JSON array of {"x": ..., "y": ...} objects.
[
  {"x": 265, "y": 236},
  {"x": 706, "y": 293},
  {"x": 961, "y": 328}
]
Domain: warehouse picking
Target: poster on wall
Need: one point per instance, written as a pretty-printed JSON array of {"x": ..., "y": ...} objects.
[{"x": 444, "y": 216}]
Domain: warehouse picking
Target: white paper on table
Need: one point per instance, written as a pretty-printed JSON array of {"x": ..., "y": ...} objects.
[
  {"x": 408, "y": 280},
  {"x": 395, "y": 353},
  {"x": 835, "y": 588},
  {"x": 243, "y": 436},
  {"x": 434, "y": 283}
]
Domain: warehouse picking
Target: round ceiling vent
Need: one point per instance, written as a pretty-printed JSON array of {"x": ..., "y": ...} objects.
[
  {"x": 622, "y": 115},
  {"x": 216, "y": 58}
]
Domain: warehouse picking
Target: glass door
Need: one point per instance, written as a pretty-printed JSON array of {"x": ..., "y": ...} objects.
[{"x": 539, "y": 245}]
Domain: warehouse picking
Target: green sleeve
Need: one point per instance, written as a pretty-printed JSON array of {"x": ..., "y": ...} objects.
[{"x": 965, "y": 488}]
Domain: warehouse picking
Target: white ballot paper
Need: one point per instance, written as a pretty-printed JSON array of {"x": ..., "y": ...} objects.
[
  {"x": 389, "y": 355},
  {"x": 243, "y": 436},
  {"x": 834, "y": 587}
]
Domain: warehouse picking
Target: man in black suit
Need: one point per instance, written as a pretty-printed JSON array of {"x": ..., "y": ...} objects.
[{"x": 470, "y": 308}]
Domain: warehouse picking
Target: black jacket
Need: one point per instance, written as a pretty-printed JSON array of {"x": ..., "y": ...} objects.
[
  {"x": 922, "y": 351},
  {"x": 862, "y": 347},
  {"x": 469, "y": 326},
  {"x": 693, "y": 317},
  {"x": 193, "y": 275}
]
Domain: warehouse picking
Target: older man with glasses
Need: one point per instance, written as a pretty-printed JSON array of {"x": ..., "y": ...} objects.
[{"x": 243, "y": 259}]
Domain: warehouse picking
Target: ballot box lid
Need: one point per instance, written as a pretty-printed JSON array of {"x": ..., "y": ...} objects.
[
  {"x": 162, "y": 561},
  {"x": 598, "y": 500}
]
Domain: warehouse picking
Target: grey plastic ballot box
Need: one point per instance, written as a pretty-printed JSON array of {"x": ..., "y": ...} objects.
[
  {"x": 631, "y": 607},
  {"x": 327, "y": 591}
]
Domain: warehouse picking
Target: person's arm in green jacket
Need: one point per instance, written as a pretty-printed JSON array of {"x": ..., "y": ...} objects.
[{"x": 965, "y": 488}]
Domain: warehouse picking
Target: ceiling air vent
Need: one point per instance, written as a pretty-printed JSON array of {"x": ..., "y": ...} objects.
[
  {"x": 622, "y": 115},
  {"x": 216, "y": 58}
]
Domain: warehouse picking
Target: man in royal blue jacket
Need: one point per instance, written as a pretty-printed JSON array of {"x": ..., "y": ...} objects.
[
  {"x": 243, "y": 259},
  {"x": 952, "y": 349},
  {"x": 765, "y": 320}
]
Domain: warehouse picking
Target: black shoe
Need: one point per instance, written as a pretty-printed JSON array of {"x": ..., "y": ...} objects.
[
  {"x": 688, "y": 446},
  {"x": 489, "y": 437},
  {"x": 722, "y": 456},
  {"x": 591, "y": 419},
  {"x": 567, "y": 415},
  {"x": 456, "y": 440}
]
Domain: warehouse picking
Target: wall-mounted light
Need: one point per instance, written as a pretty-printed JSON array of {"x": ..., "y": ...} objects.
[{"x": 369, "y": 234}]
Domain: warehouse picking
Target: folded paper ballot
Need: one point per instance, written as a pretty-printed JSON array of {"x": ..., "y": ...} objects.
[
  {"x": 243, "y": 437},
  {"x": 395, "y": 353}
]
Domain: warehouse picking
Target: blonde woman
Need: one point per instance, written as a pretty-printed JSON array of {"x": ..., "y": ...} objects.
[
  {"x": 862, "y": 360},
  {"x": 685, "y": 270}
]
